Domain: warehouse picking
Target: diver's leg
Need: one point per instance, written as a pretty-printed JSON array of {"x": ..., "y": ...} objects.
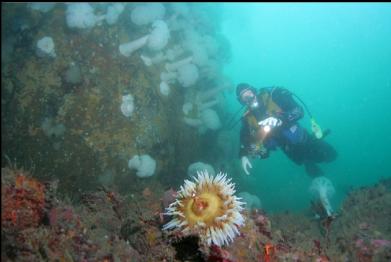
[
  {"x": 298, "y": 153},
  {"x": 306, "y": 149},
  {"x": 294, "y": 153},
  {"x": 321, "y": 151},
  {"x": 292, "y": 143},
  {"x": 317, "y": 151}
]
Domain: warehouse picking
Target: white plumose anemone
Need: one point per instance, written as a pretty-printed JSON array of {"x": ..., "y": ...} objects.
[
  {"x": 144, "y": 14},
  {"x": 164, "y": 88},
  {"x": 323, "y": 188},
  {"x": 208, "y": 208},
  {"x": 127, "y": 106},
  {"x": 188, "y": 75},
  {"x": 113, "y": 13},
  {"x": 45, "y": 47},
  {"x": 156, "y": 40},
  {"x": 144, "y": 164},
  {"x": 81, "y": 15}
]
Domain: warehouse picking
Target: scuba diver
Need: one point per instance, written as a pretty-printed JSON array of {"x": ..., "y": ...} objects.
[{"x": 271, "y": 121}]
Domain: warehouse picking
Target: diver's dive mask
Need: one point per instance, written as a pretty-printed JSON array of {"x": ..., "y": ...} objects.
[{"x": 249, "y": 99}]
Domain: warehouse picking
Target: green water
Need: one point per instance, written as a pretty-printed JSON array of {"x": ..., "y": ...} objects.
[{"x": 337, "y": 58}]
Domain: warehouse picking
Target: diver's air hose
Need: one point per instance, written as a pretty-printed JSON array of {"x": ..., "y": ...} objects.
[
  {"x": 316, "y": 129},
  {"x": 305, "y": 106},
  {"x": 230, "y": 124}
]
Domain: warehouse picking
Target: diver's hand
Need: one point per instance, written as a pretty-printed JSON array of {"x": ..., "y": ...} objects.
[
  {"x": 246, "y": 163},
  {"x": 270, "y": 121}
]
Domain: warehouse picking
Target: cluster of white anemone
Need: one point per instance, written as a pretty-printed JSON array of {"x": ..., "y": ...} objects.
[
  {"x": 156, "y": 40},
  {"x": 224, "y": 228}
]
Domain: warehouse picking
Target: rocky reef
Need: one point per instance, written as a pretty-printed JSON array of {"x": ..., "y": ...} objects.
[
  {"x": 61, "y": 115},
  {"x": 37, "y": 224}
]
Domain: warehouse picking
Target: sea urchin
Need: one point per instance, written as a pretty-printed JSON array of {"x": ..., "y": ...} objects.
[{"x": 207, "y": 208}]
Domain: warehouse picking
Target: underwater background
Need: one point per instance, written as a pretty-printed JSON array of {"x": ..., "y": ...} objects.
[
  {"x": 109, "y": 110},
  {"x": 336, "y": 57}
]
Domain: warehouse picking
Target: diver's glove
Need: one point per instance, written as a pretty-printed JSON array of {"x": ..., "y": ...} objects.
[
  {"x": 246, "y": 163},
  {"x": 271, "y": 122}
]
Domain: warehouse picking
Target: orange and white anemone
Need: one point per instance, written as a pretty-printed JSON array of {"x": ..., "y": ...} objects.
[{"x": 208, "y": 208}]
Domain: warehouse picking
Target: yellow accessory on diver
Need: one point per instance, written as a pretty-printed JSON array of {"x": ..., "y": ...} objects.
[{"x": 316, "y": 129}]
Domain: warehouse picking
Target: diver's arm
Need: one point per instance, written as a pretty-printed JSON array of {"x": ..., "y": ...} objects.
[{"x": 291, "y": 111}]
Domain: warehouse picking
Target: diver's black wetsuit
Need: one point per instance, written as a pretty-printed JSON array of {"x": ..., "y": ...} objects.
[{"x": 300, "y": 146}]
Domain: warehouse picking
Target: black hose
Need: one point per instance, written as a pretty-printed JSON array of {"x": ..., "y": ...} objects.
[
  {"x": 230, "y": 124},
  {"x": 302, "y": 102}
]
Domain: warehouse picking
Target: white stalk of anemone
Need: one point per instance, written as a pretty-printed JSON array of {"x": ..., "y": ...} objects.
[
  {"x": 173, "y": 53},
  {"x": 210, "y": 94},
  {"x": 206, "y": 118},
  {"x": 326, "y": 203},
  {"x": 156, "y": 40},
  {"x": 210, "y": 119},
  {"x": 168, "y": 76},
  {"x": 148, "y": 61},
  {"x": 191, "y": 117},
  {"x": 224, "y": 84},
  {"x": 160, "y": 57},
  {"x": 128, "y": 48},
  {"x": 175, "y": 65},
  {"x": 209, "y": 104},
  {"x": 194, "y": 122}
]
